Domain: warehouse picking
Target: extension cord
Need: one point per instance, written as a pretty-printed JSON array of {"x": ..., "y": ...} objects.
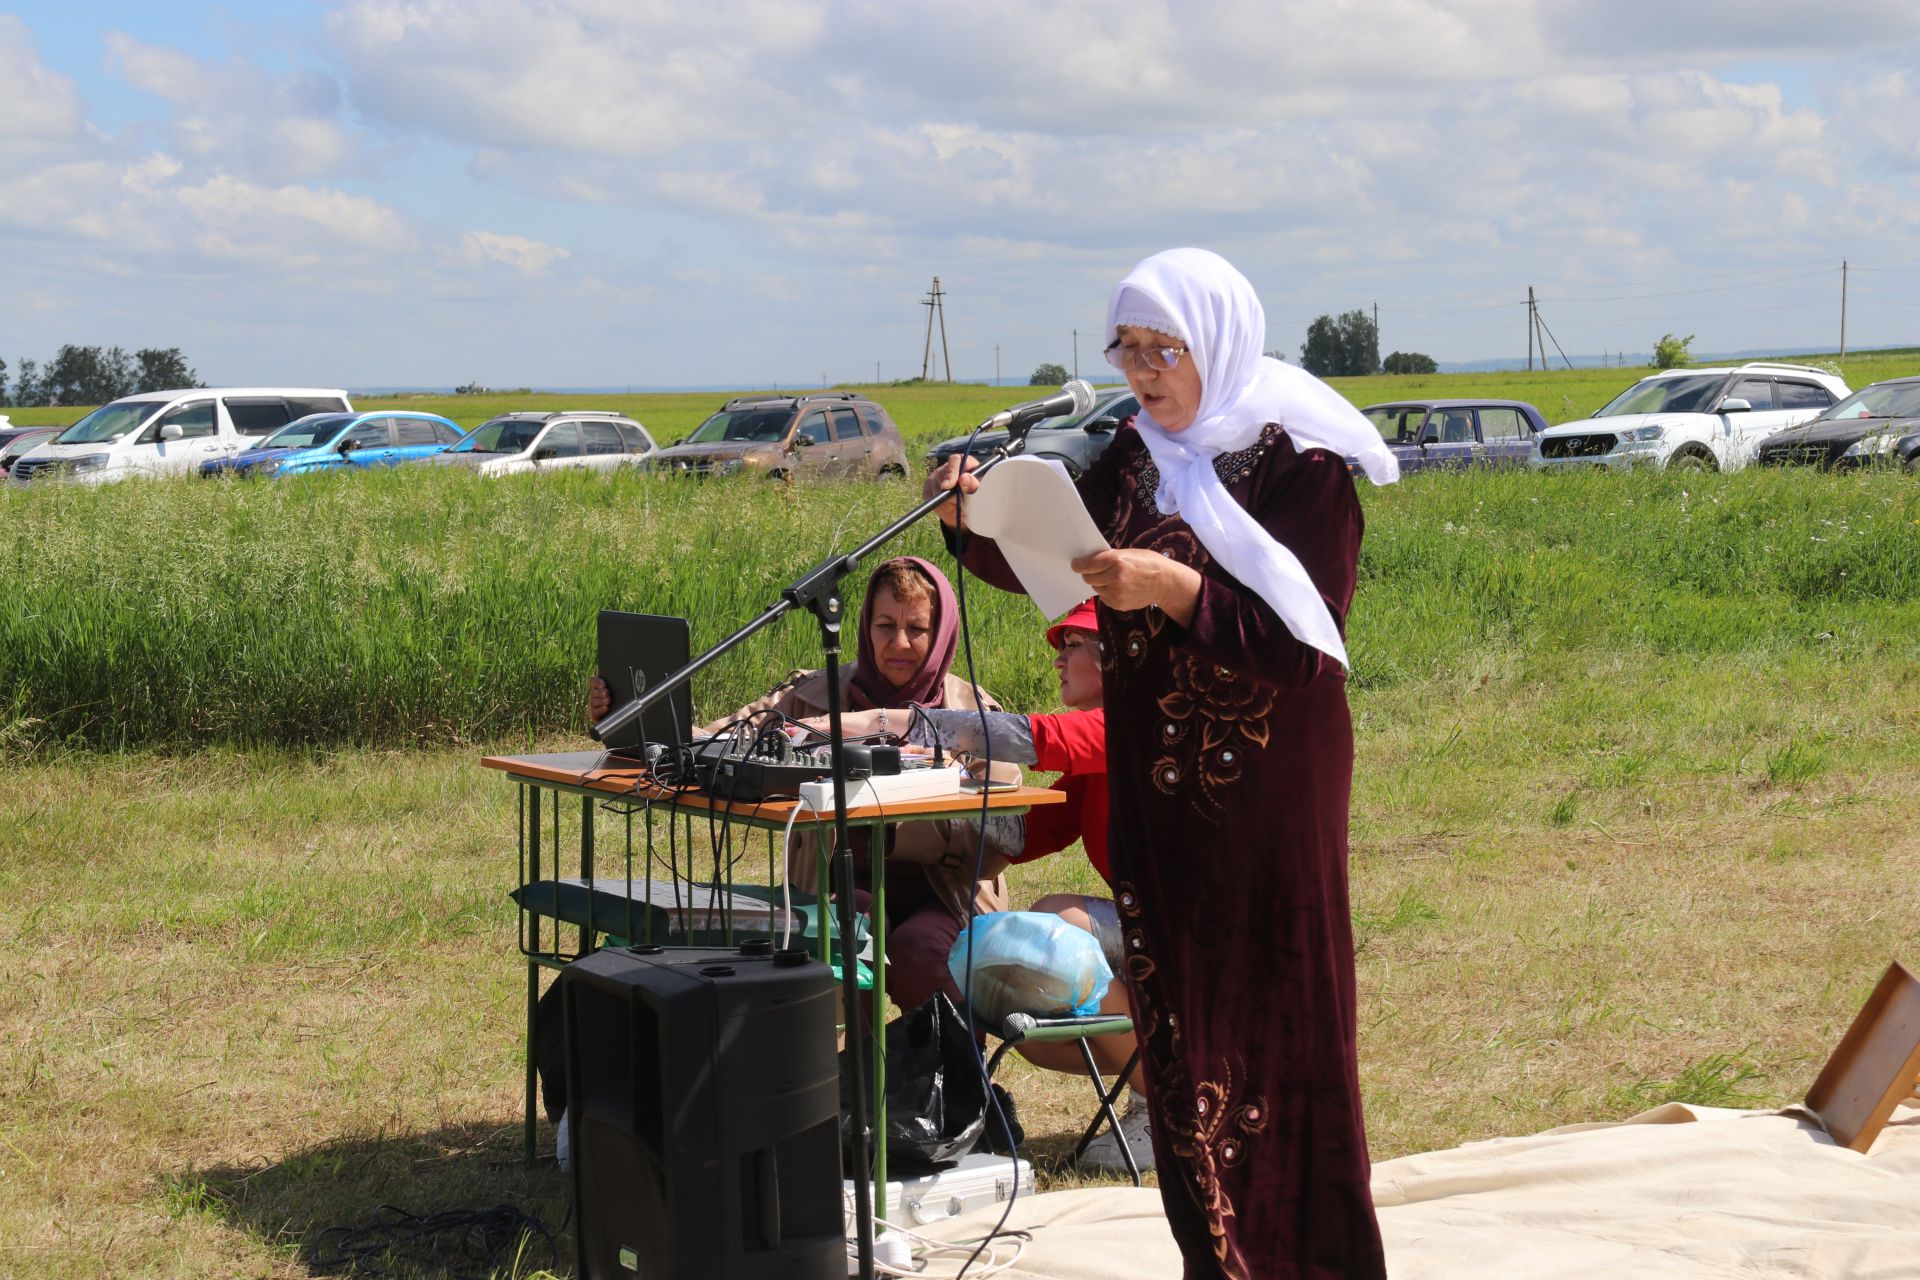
[{"x": 881, "y": 790}]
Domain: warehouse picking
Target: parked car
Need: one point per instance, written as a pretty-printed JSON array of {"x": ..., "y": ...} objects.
[
  {"x": 1862, "y": 428},
  {"x": 15, "y": 441},
  {"x": 1901, "y": 451},
  {"x": 571, "y": 439},
  {"x": 170, "y": 432},
  {"x": 1074, "y": 440},
  {"x": 836, "y": 434},
  {"x": 1432, "y": 435},
  {"x": 332, "y": 441},
  {"x": 1705, "y": 419}
]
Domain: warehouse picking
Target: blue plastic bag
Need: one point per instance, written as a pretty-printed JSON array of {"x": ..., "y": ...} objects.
[{"x": 1029, "y": 962}]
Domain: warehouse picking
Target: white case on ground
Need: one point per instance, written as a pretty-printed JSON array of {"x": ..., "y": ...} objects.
[{"x": 978, "y": 1181}]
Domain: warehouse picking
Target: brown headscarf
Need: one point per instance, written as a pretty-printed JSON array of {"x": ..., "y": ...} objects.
[{"x": 870, "y": 687}]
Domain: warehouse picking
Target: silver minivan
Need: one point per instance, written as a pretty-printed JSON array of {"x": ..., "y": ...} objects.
[{"x": 160, "y": 433}]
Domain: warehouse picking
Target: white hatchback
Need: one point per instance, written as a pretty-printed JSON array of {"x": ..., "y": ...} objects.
[
  {"x": 516, "y": 443},
  {"x": 1705, "y": 419}
]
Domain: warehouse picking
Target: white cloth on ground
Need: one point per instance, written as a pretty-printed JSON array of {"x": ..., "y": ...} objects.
[{"x": 1676, "y": 1193}]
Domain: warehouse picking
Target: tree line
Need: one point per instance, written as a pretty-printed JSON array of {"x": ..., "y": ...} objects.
[
  {"x": 95, "y": 375},
  {"x": 1349, "y": 347}
]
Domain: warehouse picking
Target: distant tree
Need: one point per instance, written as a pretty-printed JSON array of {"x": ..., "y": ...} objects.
[
  {"x": 26, "y": 384},
  {"x": 1671, "y": 352},
  {"x": 1360, "y": 342},
  {"x": 70, "y": 369},
  {"x": 1320, "y": 354},
  {"x": 1348, "y": 347},
  {"x": 88, "y": 375},
  {"x": 1049, "y": 375},
  {"x": 162, "y": 370},
  {"x": 1408, "y": 362},
  {"x": 3, "y": 382}
]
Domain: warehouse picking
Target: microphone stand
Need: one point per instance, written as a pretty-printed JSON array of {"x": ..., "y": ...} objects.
[{"x": 818, "y": 592}]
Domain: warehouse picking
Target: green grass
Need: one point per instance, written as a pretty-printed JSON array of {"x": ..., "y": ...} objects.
[
  {"x": 426, "y": 605},
  {"x": 1636, "y": 762},
  {"x": 260, "y": 992}
]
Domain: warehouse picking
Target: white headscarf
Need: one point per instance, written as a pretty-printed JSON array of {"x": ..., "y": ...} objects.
[{"x": 1198, "y": 297}]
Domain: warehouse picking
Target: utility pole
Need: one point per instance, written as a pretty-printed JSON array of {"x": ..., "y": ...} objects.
[
  {"x": 1376, "y": 336},
  {"x": 1543, "y": 354},
  {"x": 1076, "y": 353},
  {"x": 935, "y": 302},
  {"x": 876, "y": 373},
  {"x": 996, "y": 364},
  {"x": 1843, "y": 311}
]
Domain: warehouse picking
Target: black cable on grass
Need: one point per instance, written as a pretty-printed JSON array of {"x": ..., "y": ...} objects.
[
  {"x": 980, "y": 849},
  {"x": 465, "y": 1244}
]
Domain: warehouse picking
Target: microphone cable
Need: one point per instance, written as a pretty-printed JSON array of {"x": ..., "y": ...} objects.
[{"x": 980, "y": 851}]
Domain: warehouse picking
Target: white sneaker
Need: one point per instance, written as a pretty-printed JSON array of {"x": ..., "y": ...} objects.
[{"x": 1103, "y": 1153}]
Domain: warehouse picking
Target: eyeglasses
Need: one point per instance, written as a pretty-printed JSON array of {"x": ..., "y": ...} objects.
[{"x": 1159, "y": 359}]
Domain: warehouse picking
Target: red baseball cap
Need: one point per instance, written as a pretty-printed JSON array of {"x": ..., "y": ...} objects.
[{"x": 1080, "y": 618}]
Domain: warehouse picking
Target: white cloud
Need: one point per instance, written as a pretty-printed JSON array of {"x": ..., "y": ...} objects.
[
  {"x": 44, "y": 114},
  {"x": 828, "y": 157},
  {"x": 271, "y": 127},
  {"x": 528, "y": 257}
]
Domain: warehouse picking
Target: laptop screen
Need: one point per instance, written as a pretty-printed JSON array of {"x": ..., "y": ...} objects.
[{"x": 636, "y": 651}]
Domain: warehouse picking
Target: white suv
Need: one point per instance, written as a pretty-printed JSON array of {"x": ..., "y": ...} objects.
[
  {"x": 1706, "y": 419},
  {"x": 159, "y": 433}
]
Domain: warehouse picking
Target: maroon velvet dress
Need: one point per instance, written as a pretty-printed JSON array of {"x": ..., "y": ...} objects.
[{"x": 1230, "y": 757}]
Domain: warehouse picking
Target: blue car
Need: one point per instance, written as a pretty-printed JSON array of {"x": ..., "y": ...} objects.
[{"x": 332, "y": 441}]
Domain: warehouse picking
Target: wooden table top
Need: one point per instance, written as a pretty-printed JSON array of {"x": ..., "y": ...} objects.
[{"x": 625, "y": 778}]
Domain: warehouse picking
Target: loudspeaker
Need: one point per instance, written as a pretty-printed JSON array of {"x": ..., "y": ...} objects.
[{"x": 704, "y": 1105}]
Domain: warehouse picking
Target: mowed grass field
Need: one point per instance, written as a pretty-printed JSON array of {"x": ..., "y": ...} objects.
[{"x": 1636, "y": 762}]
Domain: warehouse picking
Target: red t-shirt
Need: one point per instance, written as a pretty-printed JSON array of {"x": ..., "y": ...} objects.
[{"x": 1074, "y": 745}]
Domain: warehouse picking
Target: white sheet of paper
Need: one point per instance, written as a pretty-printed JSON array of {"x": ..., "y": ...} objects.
[{"x": 1030, "y": 507}]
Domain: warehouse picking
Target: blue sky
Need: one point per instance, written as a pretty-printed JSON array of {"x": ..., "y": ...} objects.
[{"x": 605, "y": 192}]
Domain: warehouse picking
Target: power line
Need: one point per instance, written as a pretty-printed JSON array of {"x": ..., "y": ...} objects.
[{"x": 1683, "y": 293}]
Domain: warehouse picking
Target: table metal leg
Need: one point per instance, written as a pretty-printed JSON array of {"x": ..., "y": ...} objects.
[
  {"x": 533, "y": 1079},
  {"x": 876, "y": 859},
  {"x": 586, "y": 870},
  {"x": 530, "y": 847}
]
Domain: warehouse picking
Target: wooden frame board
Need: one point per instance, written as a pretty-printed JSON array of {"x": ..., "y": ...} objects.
[{"x": 1875, "y": 1066}]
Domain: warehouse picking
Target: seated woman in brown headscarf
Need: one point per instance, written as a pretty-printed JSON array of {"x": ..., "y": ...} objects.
[{"x": 909, "y": 633}]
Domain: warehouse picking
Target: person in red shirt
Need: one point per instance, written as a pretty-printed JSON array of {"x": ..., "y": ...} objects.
[{"x": 1074, "y": 745}]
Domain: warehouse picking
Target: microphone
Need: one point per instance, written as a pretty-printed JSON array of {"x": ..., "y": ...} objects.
[{"x": 1075, "y": 397}]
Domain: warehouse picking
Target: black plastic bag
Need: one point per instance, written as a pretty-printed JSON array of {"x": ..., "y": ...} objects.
[{"x": 936, "y": 1103}]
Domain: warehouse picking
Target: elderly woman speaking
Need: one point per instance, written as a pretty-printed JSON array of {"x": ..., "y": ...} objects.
[{"x": 1235, "y": 532}]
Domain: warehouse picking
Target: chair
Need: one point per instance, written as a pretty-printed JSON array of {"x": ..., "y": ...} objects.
[{"x": 1018, "y": 1028}]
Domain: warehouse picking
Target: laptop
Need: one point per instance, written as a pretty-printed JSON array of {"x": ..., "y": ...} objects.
[{"x": 637, "y": 650}]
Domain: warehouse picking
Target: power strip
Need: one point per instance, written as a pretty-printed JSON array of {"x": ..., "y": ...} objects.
[{"x": 884, "y": 789}]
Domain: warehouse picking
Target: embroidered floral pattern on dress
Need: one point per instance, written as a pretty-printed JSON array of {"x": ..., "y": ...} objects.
[
  {"x": 1213, "y": 718},
  {"x": 1210, "y": 1135},
  {"x": 1205, "y": 1124}
]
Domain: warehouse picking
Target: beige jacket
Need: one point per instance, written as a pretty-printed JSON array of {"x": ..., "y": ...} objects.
[{"x": 944, "y": 849}]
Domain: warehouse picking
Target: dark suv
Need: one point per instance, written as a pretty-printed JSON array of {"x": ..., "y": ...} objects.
[
  {"x": 1074, "y": 440},
  {"x": 839, "y": 434}
]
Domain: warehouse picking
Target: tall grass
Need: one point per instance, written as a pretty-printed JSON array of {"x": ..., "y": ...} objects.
[{"x": 427, "y": 605}]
